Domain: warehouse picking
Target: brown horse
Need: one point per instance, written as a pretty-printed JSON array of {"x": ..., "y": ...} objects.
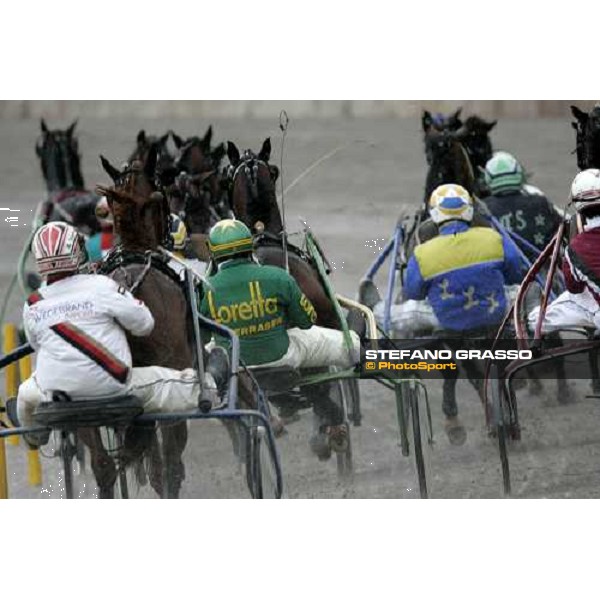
[
  {"x": 141, "y": 221},
  {"x": 143, "y": 147},
  {"x": 254, "y": 202}
]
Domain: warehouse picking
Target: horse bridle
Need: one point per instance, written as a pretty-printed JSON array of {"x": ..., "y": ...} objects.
[
  {"x": 249, "y": 164},
  {"x": 127, "y": 197}
]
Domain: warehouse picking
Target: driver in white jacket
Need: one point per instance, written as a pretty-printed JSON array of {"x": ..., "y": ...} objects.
[{"x": 77, "y": 323}]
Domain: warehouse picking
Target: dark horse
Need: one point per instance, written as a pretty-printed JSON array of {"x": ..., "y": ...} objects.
[
  {"x": 456, "y": 151},
  {"x": 67, "y": 199},
  {"x": 587, "y": 128},
  {"x": 200, "y": 183},
  {"x": 141, "y": 221},
  {"x": 145, "y": 143},
  {"x": 254, "y": 202}
]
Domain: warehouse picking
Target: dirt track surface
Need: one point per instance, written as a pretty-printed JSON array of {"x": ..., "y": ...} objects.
[{"x": 352, "y": 202}]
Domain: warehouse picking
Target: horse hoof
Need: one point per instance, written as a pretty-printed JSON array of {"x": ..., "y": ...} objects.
[
  {"x": 319, "y": 445},
  {"x": 457, "y": 434}
]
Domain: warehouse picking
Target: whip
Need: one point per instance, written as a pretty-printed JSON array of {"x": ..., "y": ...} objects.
[{"x": 283, "y": 125}]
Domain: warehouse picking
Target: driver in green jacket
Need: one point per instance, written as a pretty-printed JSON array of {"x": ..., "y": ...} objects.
[{"x": 274, "y": 320}]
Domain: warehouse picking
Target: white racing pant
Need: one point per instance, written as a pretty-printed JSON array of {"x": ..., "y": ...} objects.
[
  {"x": 567, "y": 311},
  {"x": 163, "y": 390},
  {"x": 413, "y": 317},
  {"x": 318, "y": 347},
  {"x": 408, "y": 318}
]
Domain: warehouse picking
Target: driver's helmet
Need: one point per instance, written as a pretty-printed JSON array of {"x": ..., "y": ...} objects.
[
  {"x": 58, "y": 248},
  {"x": 585, "y": 189},
  {"x": 179, "y": 233},
  {"x": 504, "y": 173},
  {"x": 229, "y": 237},
  {"x": 450, "y": 202}
]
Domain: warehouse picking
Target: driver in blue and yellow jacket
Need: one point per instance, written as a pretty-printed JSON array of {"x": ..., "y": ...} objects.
[{"x": 462, "y": 273}]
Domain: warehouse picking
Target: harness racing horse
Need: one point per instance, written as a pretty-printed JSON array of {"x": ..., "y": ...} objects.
[
  {"x": 254, "y": 202},
  {"x": 141, "y": 221},
  {"x": 446, "y": 138},
  {"x": 67, "y": 199},
  {"x": 203, "y": 184},
  {"x": 587, "y": 128},
  {"x": 144, "y": 144}
]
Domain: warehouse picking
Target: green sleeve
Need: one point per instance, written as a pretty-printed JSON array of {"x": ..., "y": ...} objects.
[{"x": 301, "y": 312}]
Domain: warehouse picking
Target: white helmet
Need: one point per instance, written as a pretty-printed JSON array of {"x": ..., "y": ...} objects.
[
  {"x": 585, "y": 189},
  {"x": 57, "y": 248},
  {"x": 450, "y": 202}
]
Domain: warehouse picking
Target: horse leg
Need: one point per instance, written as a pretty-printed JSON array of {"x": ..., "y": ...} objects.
[
  {"x": 103, "y": 466},
  {"x": 455, "y": 431},
  {"x": 141, "y": 442},
  {"x": 174, "y": 439}
]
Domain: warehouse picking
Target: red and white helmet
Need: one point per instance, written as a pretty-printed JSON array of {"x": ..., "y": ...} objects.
[
  {"x": 585, "y": 189},
  {"x": 57, "y": 248}
]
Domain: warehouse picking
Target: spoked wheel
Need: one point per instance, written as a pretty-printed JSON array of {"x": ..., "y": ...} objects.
[
  {"x": 402, "y": 390},
  {"x": 348, "y": 395},
  {"x": 498, "y": 424},
  {"x": 417, "y": 441},
  {"x": 254, "y": 467},
  {"x": 122, "y": 477},
  {"x": 353, "y": 402},
  {"x": 68, "y": 451}
]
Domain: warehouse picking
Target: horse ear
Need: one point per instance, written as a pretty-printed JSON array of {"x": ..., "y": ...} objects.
[
  {"x": 71, "y": 128},
  {"x": 233, "y": 154},
  {"x": 141, "y": 137},
  {"x": 490, "y": 126},
  {"x": 426, "y": 121},
  {"x": 163, "y": 139},
  {"x": 151, "y": 162},
  {"x": 177, "y": 140},
  {"x": 218, "y": 153},
  {"x": 44, "y": 126},
  {"x": 113, "y": 172},
  {"x": 265, "y": 151},
  {"x": 207, "y": 138},
  {"x": 581, "y": 116}
]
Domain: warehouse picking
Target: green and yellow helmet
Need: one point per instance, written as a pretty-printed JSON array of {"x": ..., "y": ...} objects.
[{"x": 228, "y": 238}]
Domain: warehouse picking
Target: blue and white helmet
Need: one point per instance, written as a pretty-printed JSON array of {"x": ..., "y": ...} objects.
[{"x": 450, "y": 202}]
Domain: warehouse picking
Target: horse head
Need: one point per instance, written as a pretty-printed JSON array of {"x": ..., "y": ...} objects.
[
  {"x": 440, "y": 122},
  {"x": 474, "y": 134},
  {"x": 252, "y": 188},
  {"x": 59, "y": 157},
  {"x": 449, "y": 162},
  {"x": 587, "y": 128},
  {"x": 196, "y": 154},
  {"x": 195, "y": 191},
  {"x": 143, "y": 145},
  {"x": 140, "y": 211}
]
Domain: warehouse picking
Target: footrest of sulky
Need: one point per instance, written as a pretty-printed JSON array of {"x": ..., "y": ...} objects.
[{"x": 92, "y": 412}]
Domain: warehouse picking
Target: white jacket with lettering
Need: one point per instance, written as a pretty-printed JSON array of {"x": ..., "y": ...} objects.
[{"x": 76, "y": 325}]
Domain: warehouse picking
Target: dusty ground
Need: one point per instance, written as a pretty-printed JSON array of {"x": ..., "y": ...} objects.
[{"x": 351, "y": 202}]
